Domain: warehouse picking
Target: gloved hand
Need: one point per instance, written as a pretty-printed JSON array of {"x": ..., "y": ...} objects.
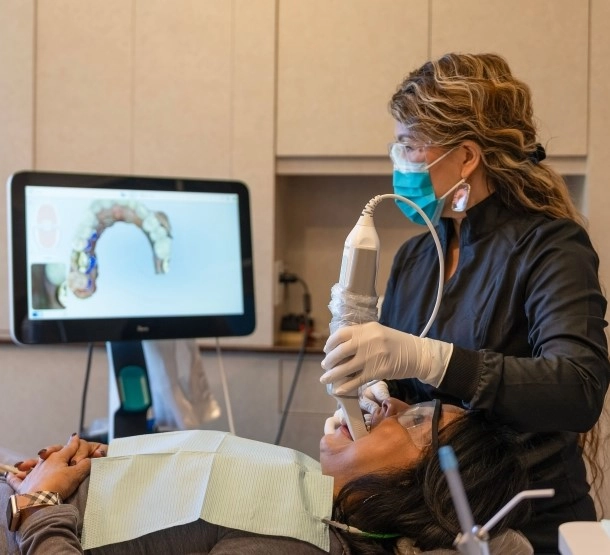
[
  {"x": 365, "y": 352},
  {"x": 369, "y": 402},
  {"x": 372, "y": 397},
  {"x": 338, "y": 418},
  {"x": 333, "y": 422}
]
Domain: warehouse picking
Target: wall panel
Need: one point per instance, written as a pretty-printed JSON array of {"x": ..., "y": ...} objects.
[
  {"x": 338, "y": 64},
  {"x": 83, "y": 86},
  {"x": 546, "y": 44},
  {"x": 182, "y": 88},
  {"x": 16, "y": 113}
]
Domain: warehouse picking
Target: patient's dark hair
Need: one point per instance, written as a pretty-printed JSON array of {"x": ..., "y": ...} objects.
[{"x": 416, "y": 502}]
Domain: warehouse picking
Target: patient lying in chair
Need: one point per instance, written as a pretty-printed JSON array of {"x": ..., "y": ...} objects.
[{"x": 384, "y": 493}]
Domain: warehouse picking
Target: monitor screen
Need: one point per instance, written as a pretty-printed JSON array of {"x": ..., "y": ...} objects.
[{"x": 114, "y": 258}]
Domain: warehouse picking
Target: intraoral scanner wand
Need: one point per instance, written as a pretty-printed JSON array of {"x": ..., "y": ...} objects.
[
  {"x": 350, "y": 406},
  {"x": 358, "y": 278}
]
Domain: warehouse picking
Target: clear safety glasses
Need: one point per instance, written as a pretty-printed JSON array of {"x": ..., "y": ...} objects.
[
  {"x": 405, "y": 154},
  {"x": 421, "y": 421}
]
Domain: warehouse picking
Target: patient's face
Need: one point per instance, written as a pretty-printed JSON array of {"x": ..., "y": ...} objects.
[{"x": 388, "y": 446}]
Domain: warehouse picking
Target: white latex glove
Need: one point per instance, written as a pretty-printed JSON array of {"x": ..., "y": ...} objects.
[
  {"x": 365, "y": 352},
  {"x": 373, "y": 396},
  {"x": 333, "y": 422}
]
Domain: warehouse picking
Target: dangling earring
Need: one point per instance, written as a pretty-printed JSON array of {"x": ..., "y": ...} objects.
[{"x": 460, "y": 198}]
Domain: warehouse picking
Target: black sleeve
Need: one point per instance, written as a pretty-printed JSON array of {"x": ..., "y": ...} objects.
[{"x": 563, "y": 384}]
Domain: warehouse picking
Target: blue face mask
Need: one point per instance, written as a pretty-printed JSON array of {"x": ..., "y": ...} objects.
[{"x": 416, "y": 185}]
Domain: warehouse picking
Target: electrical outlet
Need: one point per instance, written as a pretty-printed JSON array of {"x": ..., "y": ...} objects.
[{"x": 277, "y": 286}]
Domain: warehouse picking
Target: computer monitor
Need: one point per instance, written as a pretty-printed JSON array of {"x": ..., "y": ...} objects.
[
  {"x": 117, "y": 258},
  {"x": 122, "y": 260}
]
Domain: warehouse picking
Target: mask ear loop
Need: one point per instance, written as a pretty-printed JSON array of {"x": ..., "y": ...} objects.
[{"x": 433, "y": 163}]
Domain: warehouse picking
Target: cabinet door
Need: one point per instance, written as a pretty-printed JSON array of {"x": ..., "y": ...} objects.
[
  {"x": 182, "y": 87},
  {"x": 16, "y": 114},
  {"x": 82, "y": 86},
  {"x": 338, "y": 64},
  {"x": 546, "y": 44}
]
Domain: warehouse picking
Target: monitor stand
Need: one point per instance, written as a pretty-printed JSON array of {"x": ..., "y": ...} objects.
[{"x": 130, "y": 410}]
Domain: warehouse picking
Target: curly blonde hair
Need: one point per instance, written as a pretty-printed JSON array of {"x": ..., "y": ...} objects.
[{"x": 475, "y": 97}]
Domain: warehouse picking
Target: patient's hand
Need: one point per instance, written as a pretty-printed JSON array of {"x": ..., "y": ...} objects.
[
  {"x": 86, "y": 450},
  {"x": 56, "y": 473}
]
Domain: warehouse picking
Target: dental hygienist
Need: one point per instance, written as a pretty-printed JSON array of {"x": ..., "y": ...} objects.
[{"x": 520, "y": 330}]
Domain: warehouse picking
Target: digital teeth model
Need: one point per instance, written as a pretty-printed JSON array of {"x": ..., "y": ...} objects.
[{"x": 102, "y": 214}]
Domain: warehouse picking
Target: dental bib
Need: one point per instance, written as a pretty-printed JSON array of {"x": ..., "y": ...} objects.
[{"x": 152, "y": 482}]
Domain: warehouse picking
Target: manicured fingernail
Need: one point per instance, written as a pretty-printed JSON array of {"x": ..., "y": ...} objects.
[
  {"x": 73, "y": 434},
  {"x": 103, "y": 453},
  {"x": 41, "y": 452},
  {"x": 72, "y": 463},
  {"x": 17, "y": 464}
]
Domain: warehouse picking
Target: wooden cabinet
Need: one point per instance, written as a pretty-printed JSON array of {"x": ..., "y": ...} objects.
[{"x": 340, "y": 62}]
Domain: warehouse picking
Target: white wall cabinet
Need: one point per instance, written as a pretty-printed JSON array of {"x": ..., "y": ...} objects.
[
  {"x": 340, "y": 62},
  {"x": 182, "y": 88},
  {"x": 150, "y": 86},
  {"x": 546, "y": 44},
  {"x": 83, "y": 78},
  {"x": 16, "y": 113}
]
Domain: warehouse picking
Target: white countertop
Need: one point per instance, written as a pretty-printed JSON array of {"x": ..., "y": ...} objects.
[{"x": 583, "y": 538}]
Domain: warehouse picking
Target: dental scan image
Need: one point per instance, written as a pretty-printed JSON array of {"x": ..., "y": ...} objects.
[{"x": 98, "y": 253}]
